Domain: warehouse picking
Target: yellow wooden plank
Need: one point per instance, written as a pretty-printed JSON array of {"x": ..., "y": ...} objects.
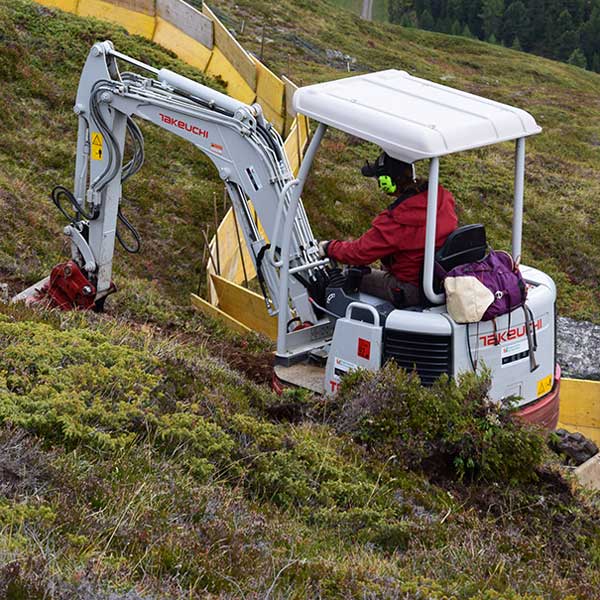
[
  {"x": 580, "y": 401},
  {"x": 212, "y": 311},
  {"x": 245, "y": 306},
  {"x": 290, "y": 113},
  {"x": 186, "y": 48},
  {"x": 580, "y": 407},
  {"x": 270, "y": 93},
  {"x": 187, "y": 19},
  {"x": 274, "y": 117},
  {"x": 230, "y": 261},
  {"x": 291, "y": 149},
  {"x": 303, "y": 132},
  {"x": 269, "y": 88},
  {"x": 229, "y": 251},
  {"x": 145, "y": 7},
  {"x": 290, "y": 90},
  {"x": 134, "y": 22},
  {"x": 66, "y": 5},
  {"x": 237, "y": 87},
  {"x": 232, "y": 50}
]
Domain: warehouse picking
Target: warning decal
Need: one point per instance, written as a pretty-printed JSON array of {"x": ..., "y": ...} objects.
[
  {"x": 97, "y": 145},
  {"x": 544, "y": 385},
  {"x": 364, "y": 348}
]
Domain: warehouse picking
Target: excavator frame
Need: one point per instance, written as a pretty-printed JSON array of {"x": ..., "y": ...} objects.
[{"x": 250, "y": 158}]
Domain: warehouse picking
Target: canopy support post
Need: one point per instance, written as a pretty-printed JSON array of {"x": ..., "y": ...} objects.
[
  {"x": 430, "y": 233},
  {"x": 517, "y": 225}
]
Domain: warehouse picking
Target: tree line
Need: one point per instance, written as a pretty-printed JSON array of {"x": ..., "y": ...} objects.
[{"x": 567, "y": 30}]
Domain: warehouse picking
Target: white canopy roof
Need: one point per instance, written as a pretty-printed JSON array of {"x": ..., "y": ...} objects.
[{"x": 412, "y": 118}]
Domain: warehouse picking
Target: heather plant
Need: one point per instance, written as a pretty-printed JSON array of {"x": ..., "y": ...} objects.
[{"x": 452, "y": 427}]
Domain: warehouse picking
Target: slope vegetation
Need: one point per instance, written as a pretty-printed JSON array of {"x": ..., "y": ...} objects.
[
  {"x": 308, "y": 40},
  {"x": 142, "y": 457}
]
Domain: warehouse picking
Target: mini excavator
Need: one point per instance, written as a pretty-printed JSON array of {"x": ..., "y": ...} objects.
[{"x": 326, "y": 326}]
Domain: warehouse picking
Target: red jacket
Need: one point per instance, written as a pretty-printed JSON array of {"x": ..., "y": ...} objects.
[{"x": 398, "y": 235}]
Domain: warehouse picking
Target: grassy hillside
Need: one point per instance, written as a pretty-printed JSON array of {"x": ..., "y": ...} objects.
[
  {"x": 561, "y": 233},
  {"x": 142, "y": 454}
]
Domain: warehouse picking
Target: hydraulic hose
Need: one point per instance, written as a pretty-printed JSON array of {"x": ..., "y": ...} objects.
[
  {"x": 137, "y": 245},
  {"x": 59, "y": 191},
  {"x": 114, "y": 153}
]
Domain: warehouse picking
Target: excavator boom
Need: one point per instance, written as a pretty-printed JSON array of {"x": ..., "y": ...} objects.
[{"x": 246, "y": 150}]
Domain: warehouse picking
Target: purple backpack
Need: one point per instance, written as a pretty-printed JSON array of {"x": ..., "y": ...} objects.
[
  {"x": 498, "y": 290},
  {"x": 501, "y": 276}
]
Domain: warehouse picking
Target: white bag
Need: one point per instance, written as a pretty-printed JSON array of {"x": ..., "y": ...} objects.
[{"x": 467, "y": 298}]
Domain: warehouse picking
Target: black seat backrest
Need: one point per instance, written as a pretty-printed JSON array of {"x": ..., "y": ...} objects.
[{"x": 464, "y": 245}]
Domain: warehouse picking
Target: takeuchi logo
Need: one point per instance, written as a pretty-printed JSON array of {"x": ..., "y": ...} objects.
[
  {"x": 183, "y": 125},
  {"x": 514, "y": 333}
]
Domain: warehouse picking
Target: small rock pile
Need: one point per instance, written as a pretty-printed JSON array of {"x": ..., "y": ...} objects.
[{"x": 575, "y": 447}]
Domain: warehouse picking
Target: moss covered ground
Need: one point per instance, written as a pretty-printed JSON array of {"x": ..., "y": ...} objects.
[{"x": 142, "y": 454}]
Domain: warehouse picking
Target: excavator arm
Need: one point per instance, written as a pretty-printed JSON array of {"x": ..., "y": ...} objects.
[{"x": 246, "y": 150}]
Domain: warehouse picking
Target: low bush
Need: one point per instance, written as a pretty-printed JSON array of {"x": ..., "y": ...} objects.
[{"x": 452, "y": 427}]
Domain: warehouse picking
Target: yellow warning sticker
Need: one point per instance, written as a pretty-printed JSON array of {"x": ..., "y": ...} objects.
[
  {"x": 97, "y": 145},
  {"x": 544, "y": 385}
]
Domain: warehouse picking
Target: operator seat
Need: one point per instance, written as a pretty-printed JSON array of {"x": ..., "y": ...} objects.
[{"x": 464, "y": 245}]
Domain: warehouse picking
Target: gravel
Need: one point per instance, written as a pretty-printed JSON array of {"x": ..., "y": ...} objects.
[{"x": 578, "y": 348}]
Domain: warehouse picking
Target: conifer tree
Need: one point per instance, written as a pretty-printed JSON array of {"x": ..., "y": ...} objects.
[
  {"x": 567, "y": 43},
  {"x": 454, "y": 10},
  {"x": 590, "y": 35},
  {"x": 577, "y": 58},
  {"x": 552, "y": 28},
  {"x": 535, "y": 34},
  {"x": 408, "y": 20},
  {"x": 426, "y": 20},
  {"x": 491, "y": 17},
  {"x": 515, "y": 22},
  {"x": 576, "y": 9},
  {"x": 471, "y": 11},
  {"x": 395, "y": 11}
]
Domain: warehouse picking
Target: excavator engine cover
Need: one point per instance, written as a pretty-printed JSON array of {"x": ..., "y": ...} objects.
[{"x": 68, "y": 288}]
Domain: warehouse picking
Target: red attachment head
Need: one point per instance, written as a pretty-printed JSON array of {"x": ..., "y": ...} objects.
[{"x": 68, "y": 288}]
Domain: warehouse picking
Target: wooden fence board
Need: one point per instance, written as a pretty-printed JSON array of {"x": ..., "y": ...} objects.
[
  {"x": 220, "y": 66},
  {"x": 212, "y": 311},
  {"x": 134, "y": 22},
  {"x": 186, "y": 48},
  {"x": 146, "y": 7},
  {"x": 187, "y": 19},
  {"x": 245, "y": 306},
  {"x": 232, "y": 50}
]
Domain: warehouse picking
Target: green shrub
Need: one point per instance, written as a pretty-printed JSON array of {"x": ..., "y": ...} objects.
[{"x": 452, "y": 427}]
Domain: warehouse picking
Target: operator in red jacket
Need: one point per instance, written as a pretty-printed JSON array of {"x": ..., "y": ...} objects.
[{"x": 397, "y": 235}]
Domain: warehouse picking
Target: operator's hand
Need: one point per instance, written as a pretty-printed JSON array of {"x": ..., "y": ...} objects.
[{"x": 323, "y": 245}]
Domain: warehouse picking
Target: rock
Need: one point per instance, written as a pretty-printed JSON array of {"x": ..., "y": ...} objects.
[
  {"x": 578, "y": 348},
  {"x": 575, "y": 446}
]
